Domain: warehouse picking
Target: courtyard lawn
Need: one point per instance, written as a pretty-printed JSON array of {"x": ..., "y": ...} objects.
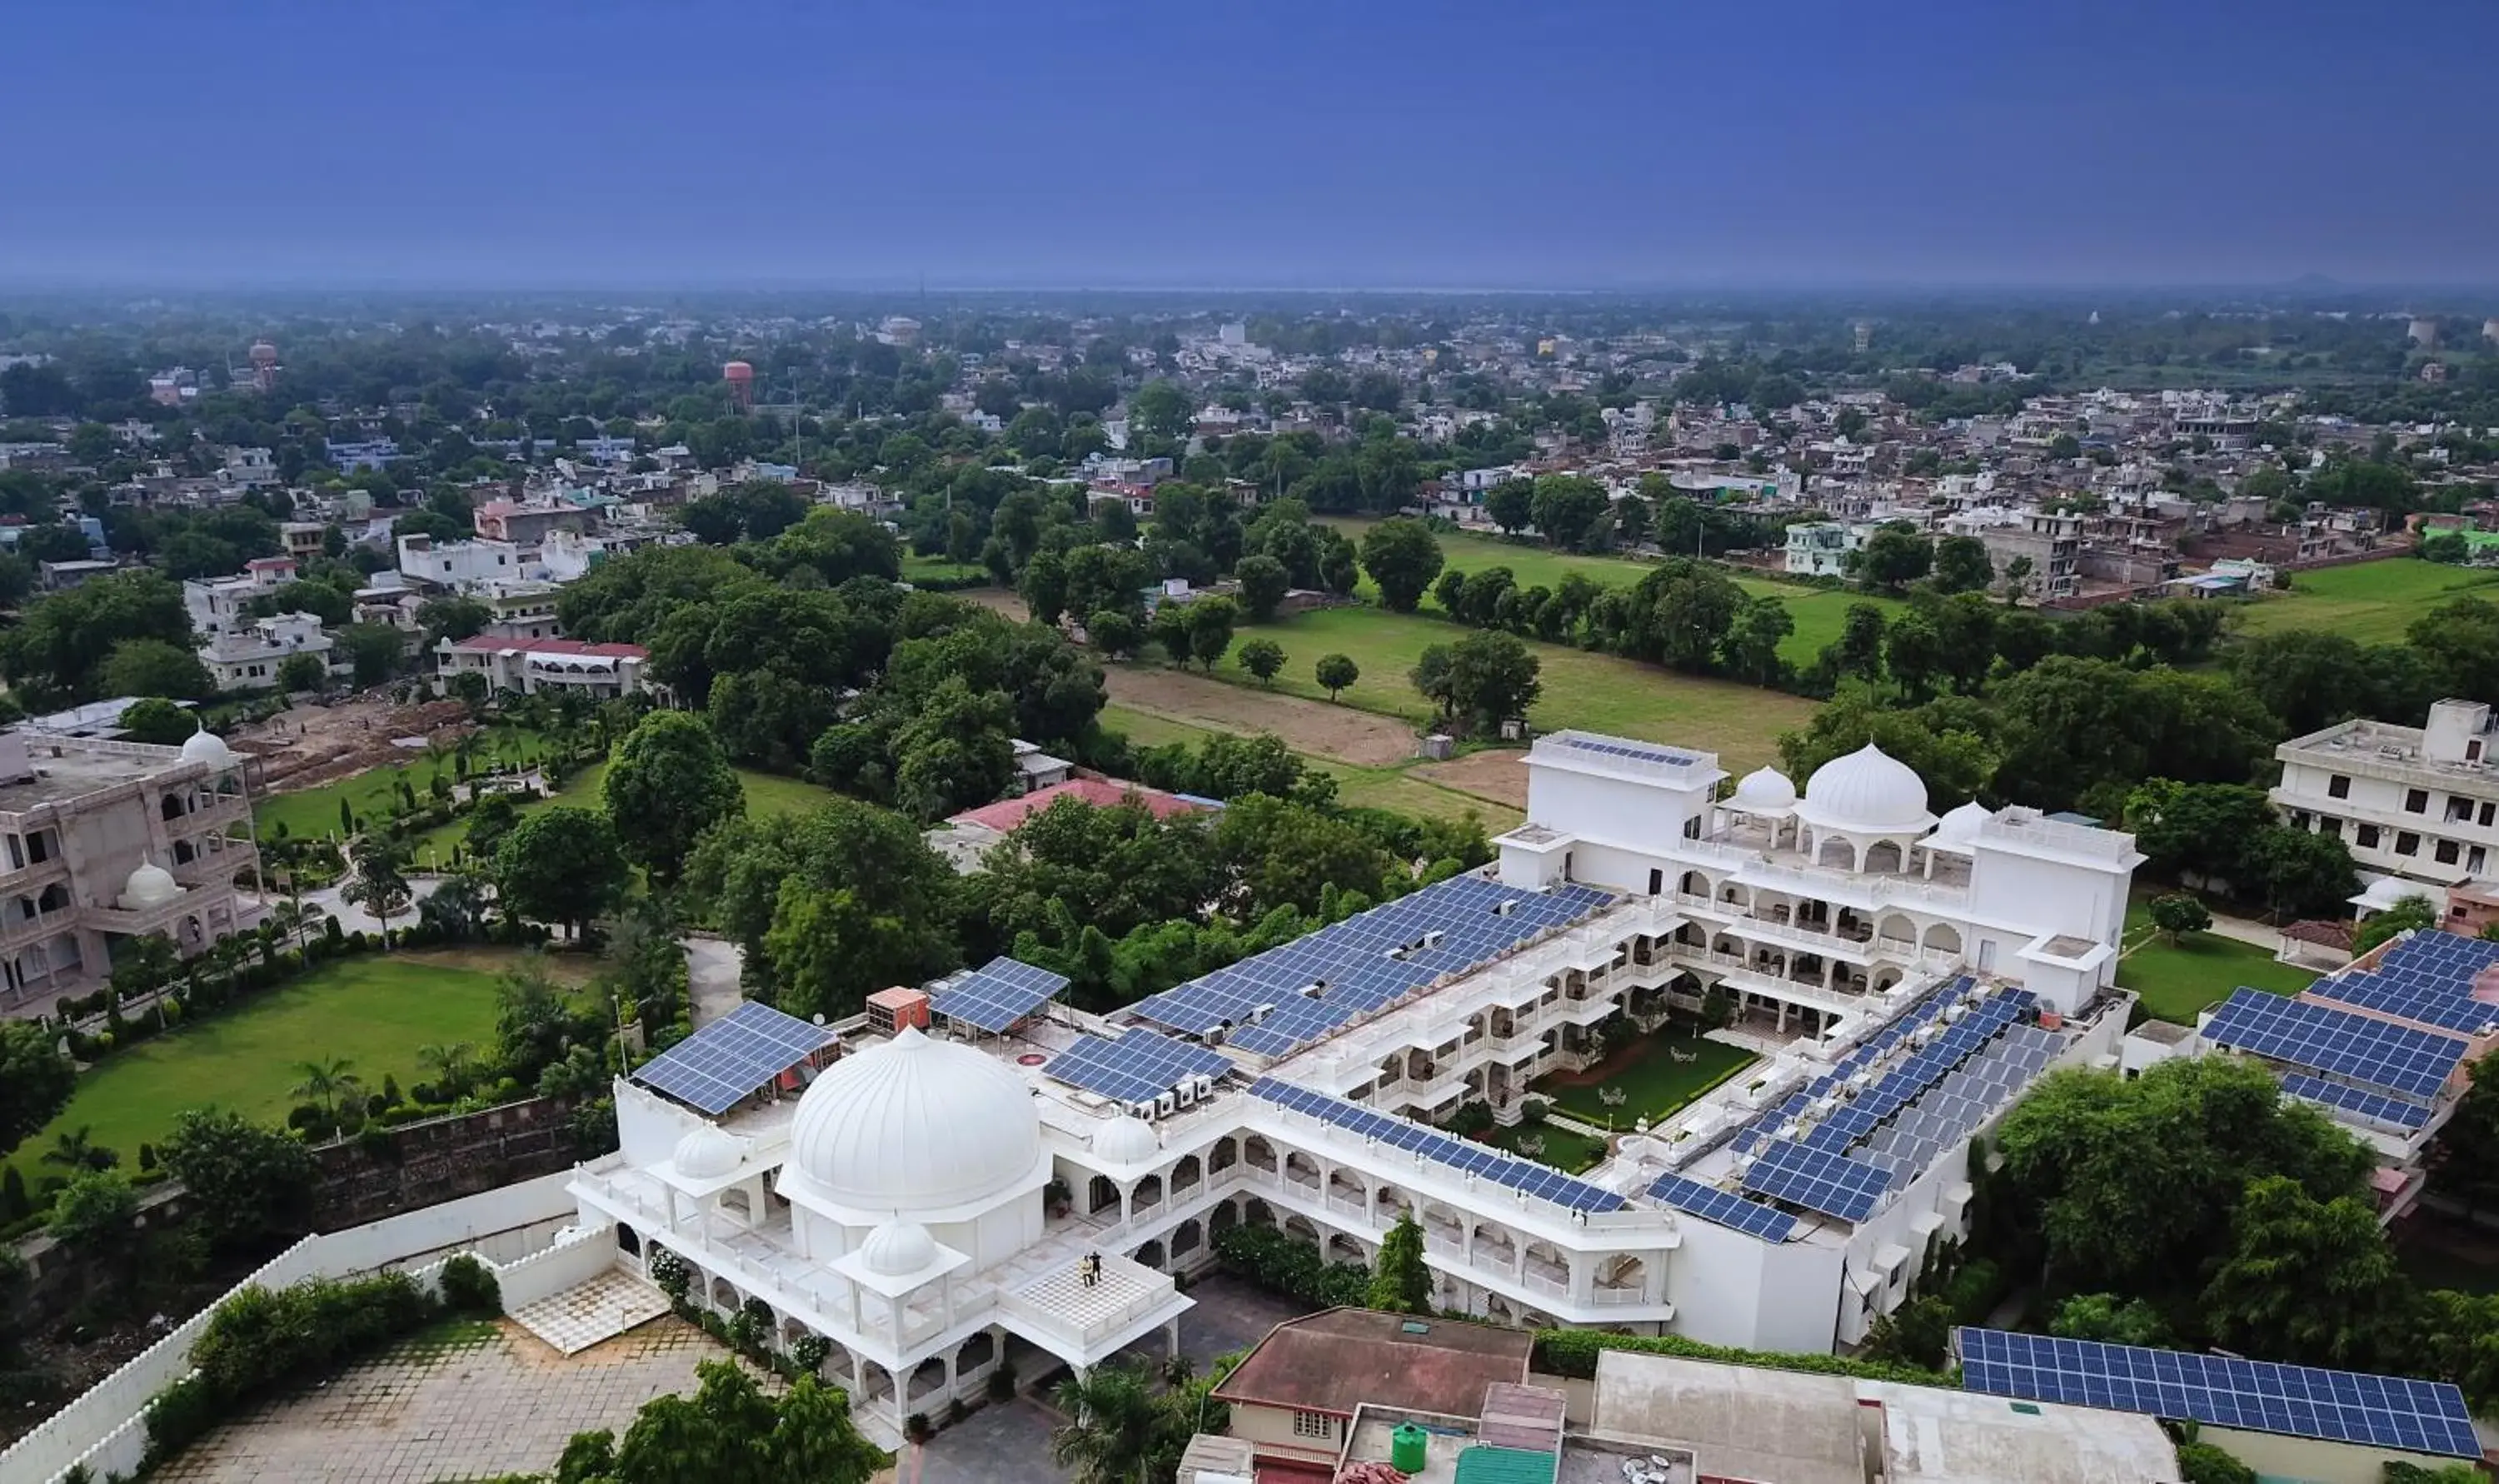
[
  {"x": 1653, "y": 1083},
  {"x": 767, "y": 793},
  {"x": 2201, "y": 969},
  {"x": 2370, "y": 602},
  {"x": 1818, "y": 611},
  {"x": 1597, "y": 693},
  {"x": 373, "y": 1011},
  {"x": 1391, "y": 789},
  {"x": 1564, "y": 1149},
  {"x": 314, "y": 812}
]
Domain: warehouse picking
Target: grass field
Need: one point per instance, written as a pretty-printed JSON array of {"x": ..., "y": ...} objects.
[
  {"x": 2370, "y": 602},
  {"x": 373, "y": 1011},
  {"x": 1818, "y": 612},
  {"x": 1598, "y": 693},
  {"x": 1654, "y": 1082},
  {"x": 1563, "y": 1150},
  {"x": 314, "y": 812},
  {"x": 766, "y": 793},
  {"x": 2200, "y": 969},
  {"x": 1391, "y": 789},
  {"x": 919, "y": 568}
]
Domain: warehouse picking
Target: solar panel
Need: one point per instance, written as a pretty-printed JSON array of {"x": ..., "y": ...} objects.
[
  {"x": 722, "y": 1062},
  {"x": 1817, "y": 1179},
  {"x": 2324, "y": 1039},
  {"x": 2379, "y": 1411},
  {"x": 2369, "y": 1105},
  {"x": 1615, "y": 747},
  {"x": 2443, "y": 1000},
  {"x": 1139, "y": 1066},
  {"x": 997, "y": 995},
  {"x": 1540, "y": 1181}
]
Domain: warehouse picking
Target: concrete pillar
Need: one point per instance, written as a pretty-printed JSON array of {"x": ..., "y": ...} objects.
[{"x": 1171, "y": 1339}]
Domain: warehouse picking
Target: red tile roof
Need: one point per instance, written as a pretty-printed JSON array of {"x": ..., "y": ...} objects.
[{"x": 1101, "y": 793}]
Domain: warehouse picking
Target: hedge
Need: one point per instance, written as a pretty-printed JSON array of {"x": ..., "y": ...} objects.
[
  {"x": 1574, "y": 1353},
  {"x": 1291, "y": 1267}
]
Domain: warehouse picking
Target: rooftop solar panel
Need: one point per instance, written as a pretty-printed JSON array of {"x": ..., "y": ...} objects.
[
  {"x": 997, "y": 995},
  {"x": 1723, "y": 1208},
  {"x": 1139, "y": 1066},
  {"x": 1535, "y": 1180},
  {"x": 2445, "y": 1001},
  {"x": 732, "y": 1056},
  {"x": 2379, "y": 1411},
  {"x": 1817, "y": 1179},
  {"x": 2324, "y": 1039},
  {"x": 2394, "y": 1112}
]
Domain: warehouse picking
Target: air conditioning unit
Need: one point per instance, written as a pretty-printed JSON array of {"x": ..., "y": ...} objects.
[
  {"x": 1168, "y": 1104},
  {"x": 1215, "y": 1037},
  {"x": 1259, "y": 1013},
  {"x": 1506, "y": 907},
  {"x": 1434, "y": 938},
  {"x": 1144, "y": 1110},
  {"x": 1187, "y": 1092},
  {"x": 1205, "y": 1089}
]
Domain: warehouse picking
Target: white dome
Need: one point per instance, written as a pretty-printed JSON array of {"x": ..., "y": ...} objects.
[
  {"x": 898, "y": 1248},
  {"x": 204, "y": 746},
  {"x": 1126, "y": 1141},
  {"x": 1960, "y": 827},
  {"x": 149, "y": 885},
  {"x": 707, "y": 1152},
  {"x": 1763, "y": 791},
  {"x": 1867, "y": 792},
  {"x": 914, "y": 1124}
]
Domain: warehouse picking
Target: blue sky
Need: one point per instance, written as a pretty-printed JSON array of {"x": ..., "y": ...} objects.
[{"x": 1363, "y": 143}]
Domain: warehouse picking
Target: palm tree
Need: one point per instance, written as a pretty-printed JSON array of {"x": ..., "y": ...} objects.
[
  {"x": 76, "y": 1149},
  {"x": 325, "y": 1082},
  {"x": 293, "y": 920},
  {"x": 380, "y": 885},
  {"x": 451, "y": 1065},
  {"x": 1114, "y": 1425}
]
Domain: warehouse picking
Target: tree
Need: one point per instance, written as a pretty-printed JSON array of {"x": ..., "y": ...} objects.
[
  {"x": 666, "y": 783},
  {"x": 1403, "y": 556},
  {"x": 158, "y": 722},
  {"x": 1481, "y": 681},
  {"x": 380, "y": 882},
  {"x": 2199, "y": 832},
  {"x": 35, "y": 1081},
  {"x": 1916, "y": 1333},
  {"x": 1263, "y": 584},
  {"x": 561, "y": 865},
  {"x": 1568, "y": 509},
  {"x": 1512, "y": 504},
  {"x": 2310, "y": 1281},
  {"x": 1170, "y": 629},
  {"x": 2178, "y": 913},
  {"x": 60, "y": 642},
  {"x": 2203, "y": 1463},
  {"x": 1114, "y": 632},
  {"x": 93, "y": 1212},
  {"x": 2110, "y": 1319},
  {"x": 1335, "y": 672},
  {"x": 298, "y": 673},
  {"x": 2302, "y": 873},
  {"x": 729, "y": 1432},
  {"x": 1262, "y": 657},
  {"x": 155, "y": 668},
  {"x": 76, "y": 1149},
  {"x": 2409, "y": 913},
  {"x": 2308, "y": 678},
  {"x": 1914, "y": 654},
  {"x": 2465, "y": 1159},
  {"x": 1121, "y": 1428},
  {"x": 451, "y": 617},
  {"x": 1893, "y": 558},
  {"x": 324, "y": 1082},
  {"x": 1210, "y": 630},
  {"x": 375, "y": 650},
  {"x": 2017, "y": 580},
  {"x": 1859, "y": 651},
  {"x": 1399, "y": 1282},
  {"x": 1963, "y": 565}
]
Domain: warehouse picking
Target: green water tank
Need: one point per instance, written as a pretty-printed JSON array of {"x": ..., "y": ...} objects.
[{"x": 1407, "y": 1447}]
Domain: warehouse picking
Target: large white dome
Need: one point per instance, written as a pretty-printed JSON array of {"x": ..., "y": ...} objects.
[
  {"x": 913, "y": 1125},
  {"x": 149, "y": 885},
  {"x": 1867, "y": 792},
  {"x": 1763, "y": 791}
]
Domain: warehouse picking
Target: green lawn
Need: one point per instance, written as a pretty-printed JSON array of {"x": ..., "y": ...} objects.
[
  {"x": 373, "y": 1012},
  {"x": 1390, "y": 789},
  {"x": 314, "y": 812},
  {"x": 1818, "y": 612},
  {"x": 1597, "y": 693},
  {"x": 1565, "y": 1151},
  {"x": 1655, "y": 1082},
  {"x": 2372, "y": 601},
  {"x": 917, "y": 568},
  {"x": 2201, "y": 969},
  {"x": 766, "y": 793}
]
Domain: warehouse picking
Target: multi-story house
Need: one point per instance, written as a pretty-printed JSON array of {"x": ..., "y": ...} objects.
[{"x": 2418, "y": 806}]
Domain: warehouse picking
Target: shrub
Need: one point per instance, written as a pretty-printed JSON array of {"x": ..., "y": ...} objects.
[
  {"x": 673, "y": 1274},
  {"x": 1532, "y": 1110},
  {"x": 1294, "y": 1268},
  {"x": 260, "y": 1341},
  {"x": 808, "y": 1352},
  {"x": 468, "y": 1287},
  {"x": 916, "y": 1427},
  {"x": 1001, "y": 1383},
  {"x": 1574, "y": 1353}
]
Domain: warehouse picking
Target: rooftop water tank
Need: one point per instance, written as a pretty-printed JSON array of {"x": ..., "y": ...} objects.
[{"x": 1407, "y": 1447}]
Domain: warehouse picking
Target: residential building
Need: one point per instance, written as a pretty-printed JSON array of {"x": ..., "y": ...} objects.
[
  {"x": 61, "y": 576},
  {"x": 1036, "y": 769},
  {"x": 105, "y": 841},
  {"x": 521, "y": 610},
  {"x": 1300, "y": 1395},
  {"x": 527, "y": 524},
  {"x": 459, "y": 565},
  {"x": 368, "y": 453},
  {"x": 1821, "y": 548},
  {"x": 305, "y": 539},
  {"x": 600, "y": 671},
  {"x": 246, "y": 654},
  {"x": 966, "y": 839},
  {"x": 2416, "y": 806},
  {"x": 216, "y": 604}
]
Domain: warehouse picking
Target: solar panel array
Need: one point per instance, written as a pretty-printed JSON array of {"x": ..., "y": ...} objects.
[
  {"x": 2392, "y": 1110},
  {"x": 732, "y": 1056},
  {"x": 2428, "y": 977},
  {"x": 2339, "y": 1042},
  {"x": 1926, "y": 1008},
  {"x": 1958, "y": 1105},
  {"x": 1141, "y": 1065},
  {"x": 1818, "y": 1180},
  {"x": 1310, "y": 988},
  {"x": 1724, "y": 1208},
  {"x": 1461, "y": 1155},
  {"x": 2378, "y": 1411},
  {"x": 997, "y": 995},
  {"x": 1636, "y": 751}
]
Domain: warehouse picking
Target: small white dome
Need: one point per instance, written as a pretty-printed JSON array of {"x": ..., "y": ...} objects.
[
  {"x": 898, "y": 1248},
  {"x": 1763, "y": 791},
  {"x": 707, "y": 1152},
  {"x": 204, "y": 746},
  {"x": 1126, "y": 1141},
  {"x": 149, "y": 885},
  {"x": 1867, "y": 792},
  {"x": 914, "y": 1124},
  {"x": 1960, "y": 827}
]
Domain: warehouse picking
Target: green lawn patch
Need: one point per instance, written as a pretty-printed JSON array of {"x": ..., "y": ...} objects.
[
  {"x": 2200, "y": 969},
  {"x": 1562, "y": 1148},
  {"x": 1655, "y": 1085},
  {"x": 767, "y": 793},
  {"x": 374, "y": 1012},
  {"x": 1392, "y": 789},
  {"x": 314, "y": 812},
  {"x": 918, "y": 569},
  {"x": 2372, "y": 601}
]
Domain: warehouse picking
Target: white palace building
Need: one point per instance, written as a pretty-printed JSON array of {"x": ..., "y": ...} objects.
[{"x": 976, "y": 1171}]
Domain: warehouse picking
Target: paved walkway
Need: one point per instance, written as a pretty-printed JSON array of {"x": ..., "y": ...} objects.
[
  {"x": 506, "y": 1404},
  {"x": 2248, "y": 930}
]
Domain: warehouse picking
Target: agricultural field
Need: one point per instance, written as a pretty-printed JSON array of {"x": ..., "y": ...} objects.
[
  {"x": 373, "y": 1011},
  {"x": 2370, "y": 602},
  {"x": 1396, "y": 789},
  {"x": 314, "y": 812}
]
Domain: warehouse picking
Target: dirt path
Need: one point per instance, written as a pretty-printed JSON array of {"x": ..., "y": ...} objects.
[
  {"x": 1498, "y": 774},
  {"x": 1312, "y": 728}
]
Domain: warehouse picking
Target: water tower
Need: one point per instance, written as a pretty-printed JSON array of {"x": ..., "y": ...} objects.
[
  {"x": 741, "y": 377},
  {"x": 264, "y": 364}
]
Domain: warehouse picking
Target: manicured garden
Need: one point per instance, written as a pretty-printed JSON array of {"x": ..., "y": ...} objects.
[
  {"x": 1652, "y": 1079},
  {"x": 314, "y": 813},
  {"x": 1549, "y": 1144},
  {"x": 766, "y": 793},
  {"x": 372, "y": 1012}
]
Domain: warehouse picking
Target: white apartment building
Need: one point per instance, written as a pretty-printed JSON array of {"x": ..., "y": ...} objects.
[
  {"x": 2418, "y": 806},
  {"x": 247, "y": 655},
  {"x": 599, "y": 671},
  {"x": 104, "y": 841},
  {"x": 216, "y": 604},
  {"x": 1821, "y": 548},
  {"x": 459, "y": 565},
  {"x": 938, "y": 1197}
]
